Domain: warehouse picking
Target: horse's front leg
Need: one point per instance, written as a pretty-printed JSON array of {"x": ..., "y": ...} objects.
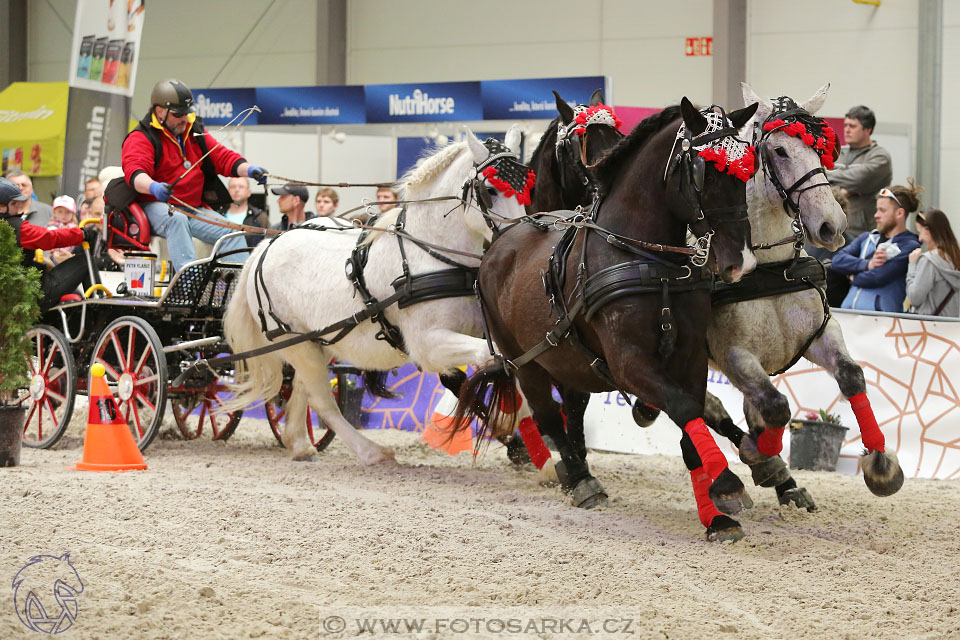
[
  {"x": 767, "y": 412},
  {"x": 881, "y": 469}
]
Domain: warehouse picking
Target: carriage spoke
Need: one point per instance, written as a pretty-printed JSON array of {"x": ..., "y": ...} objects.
[
  {"x": 39, "y": 421},
  {"x": 147, "y": 380},
  {"x": 131, "y": 340},
  {"x": 60, "y": 372},
  {"x": 118, "y": 350},
  {"x": 111, "y": 372},
  {"x": 143, "y": 398},
  {"x": 56, "y": 396},
  {"x": 136, "y": 417},
  {"x": 143, "y": 358},
  {"x": 45, "y": 368},
  {"x": 39, "y": 351},
  {"x": 53, "y": 414},
  {"x": 26, "y": 424},
  {"x": 203, "y": 414},
  {"x": 213, "y": 423}
]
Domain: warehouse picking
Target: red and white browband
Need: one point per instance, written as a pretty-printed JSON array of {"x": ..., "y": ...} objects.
[
  {"x": 584, "y": 116},
  {"x": 728, "y": 154}
]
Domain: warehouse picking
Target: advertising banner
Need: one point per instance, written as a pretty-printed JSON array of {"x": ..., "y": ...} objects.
[
  {"x": 533, "y": 98},
  {"x": 220, "y": 106},
  {"x": 425, "y": 102},
  {"x": 310, "y": 105},
  {"x": 103, "y": 67},
  {"x": 33, "y": 116}
]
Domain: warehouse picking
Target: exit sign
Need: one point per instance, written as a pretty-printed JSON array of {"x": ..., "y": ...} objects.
[{"x": 699, "y": 46}]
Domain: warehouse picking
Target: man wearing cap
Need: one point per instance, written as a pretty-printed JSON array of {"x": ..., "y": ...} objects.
[
  {"x": 160, "y": 158},
  {"x": 38, "y": 213},
  {"x": 293, "y": 199},
  {"x": 65, "y": 277}
]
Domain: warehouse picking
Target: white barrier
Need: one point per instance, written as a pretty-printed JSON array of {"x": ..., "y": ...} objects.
[{"x": 912, "y": 370}]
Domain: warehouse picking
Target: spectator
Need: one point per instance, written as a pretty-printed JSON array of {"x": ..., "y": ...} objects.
[
  {"x": 164, "y": 149},
  {"x": 293, "y": 199},
  {"x": 242, "y": 212},
  {"x": 876, "y": 262},
  {"x": 92, "y": 188},
  {"x": 388, "y": 196},
  {"x": 85, "y": 206},
  {"x": 64, "y": 217},
  {"x": 861, "y": 170},
  {"x": 65, "y": 277},
  {"x": 327, "y": 201},
  {"x": 933, "y": 278},
  {"x": 38, "y": 213}
]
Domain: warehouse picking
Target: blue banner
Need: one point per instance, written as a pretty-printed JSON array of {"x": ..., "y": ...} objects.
[
  {"x": 527, "y": 99},
  {"x": 311, "y": 105},
  {"x": 427, "y": 102},
  {"x": 220, "y": 106}
]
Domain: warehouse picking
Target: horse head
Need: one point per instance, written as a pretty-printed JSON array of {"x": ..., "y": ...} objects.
[
  {"x": 794, "y": 149},
  {"x": 583, "y": 134},
  {"x": 713, "y": 203},
  {"x": 500, "y": 183}
]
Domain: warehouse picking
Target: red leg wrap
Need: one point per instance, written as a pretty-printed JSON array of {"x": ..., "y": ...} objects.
[
  {"x": 770, "y": 441},
  {"x": 510, "y": 404},
  {"x": 714, "y": 462},
  {"x": 869, "y": 430},
  {"x": 701, "y": 491},
  {"x": 539, "y": 454}
]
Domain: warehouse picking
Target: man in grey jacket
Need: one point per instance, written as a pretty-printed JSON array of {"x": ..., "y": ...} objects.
[{"x": 862, "y": 169}]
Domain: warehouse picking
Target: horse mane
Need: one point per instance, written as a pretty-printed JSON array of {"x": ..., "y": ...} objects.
[
  {"x": 609, "y": 165},
  {"x": 430, "y": 166},
  {"x": 551, "y": 128}
]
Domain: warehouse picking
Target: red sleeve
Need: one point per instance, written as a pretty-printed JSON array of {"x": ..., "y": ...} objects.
[
  {"x": 224, "y": 160},
  {"x": 34, "y": 237},
  {"x": 137, "y": 156}
]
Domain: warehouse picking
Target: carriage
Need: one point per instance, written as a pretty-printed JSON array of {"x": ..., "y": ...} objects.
[{"x": 144, "y": 342}]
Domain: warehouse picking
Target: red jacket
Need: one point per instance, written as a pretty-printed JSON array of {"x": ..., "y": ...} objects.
[
  {"x": 138, "y": 156},
  {"x": 34, "y": 237}
]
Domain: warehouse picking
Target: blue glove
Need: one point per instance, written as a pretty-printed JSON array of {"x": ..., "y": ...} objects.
[
  {"x": 161, "y": 191},
  {"x": 258, "y": 173}
]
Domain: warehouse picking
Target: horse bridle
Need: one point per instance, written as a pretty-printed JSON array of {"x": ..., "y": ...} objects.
[
  {"x": 574, "y": 146},
  {"x": 473, "y": 186},
  {"x": 691, "y": 180}
]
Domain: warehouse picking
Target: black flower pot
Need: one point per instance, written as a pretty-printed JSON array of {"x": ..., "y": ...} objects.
[
  {"x": 815, "y": 445},
  {"x": 12, "y": 420}
]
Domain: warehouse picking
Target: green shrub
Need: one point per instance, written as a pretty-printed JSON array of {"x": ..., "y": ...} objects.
[{"x": 19, "y": 310}]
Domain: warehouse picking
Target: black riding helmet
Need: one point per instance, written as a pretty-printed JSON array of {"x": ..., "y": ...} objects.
[
  {"x": 10, "y": 191},
  {"x": 173, "y": 95}
]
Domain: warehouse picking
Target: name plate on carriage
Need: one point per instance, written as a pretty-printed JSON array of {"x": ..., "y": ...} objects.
[{"x": 140, "y": 273}]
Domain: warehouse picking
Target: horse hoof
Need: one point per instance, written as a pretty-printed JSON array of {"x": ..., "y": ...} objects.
[
  {"x": 767, "y": 471},
  {"x": 733, "y": 504},
  {"x": 882, "y": 473},
  {"x": 728, "y": 493},
  {"x": 800, "y": 497},
  {"x": 724, "y": 529},
  {"x": 517, "y": 452},
  {"x": 643, "y": 414},
  {"x": 589, "y": 493},
  {"x": 310, "y": 456}
]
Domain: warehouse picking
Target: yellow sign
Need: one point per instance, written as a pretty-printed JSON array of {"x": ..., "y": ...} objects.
[{"x": 33, "y": 124}]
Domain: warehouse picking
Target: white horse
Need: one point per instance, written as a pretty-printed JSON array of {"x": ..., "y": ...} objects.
[
  {"x": 751, "y": 339},
  {"x": 303, "y": 271}
]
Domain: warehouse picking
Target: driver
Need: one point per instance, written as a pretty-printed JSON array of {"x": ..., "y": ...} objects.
[
  {"x": 66, "y": 276},
  {"x": 159, "y": 158}
]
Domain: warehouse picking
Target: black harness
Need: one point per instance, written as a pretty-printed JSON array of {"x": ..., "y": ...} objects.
[
  {"x": 649, "y": 274},
  {"x": 800, "y": 273}
]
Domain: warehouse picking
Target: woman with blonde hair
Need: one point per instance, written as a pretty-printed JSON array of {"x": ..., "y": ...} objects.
[{"x": 933, "y": 278}]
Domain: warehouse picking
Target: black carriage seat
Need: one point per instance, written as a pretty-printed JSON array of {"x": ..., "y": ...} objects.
[{"x": 205, "y": 285}]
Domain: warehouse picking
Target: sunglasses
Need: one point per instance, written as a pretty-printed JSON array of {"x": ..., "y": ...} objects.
[
  {"x": 922, "y": 219},
  {"x": 886, "y": 193}
]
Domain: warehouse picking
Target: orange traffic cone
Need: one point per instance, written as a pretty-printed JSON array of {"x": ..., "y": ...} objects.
[
  {"x": 108, "y": 444},
  {"x": 437, "y": 430}
]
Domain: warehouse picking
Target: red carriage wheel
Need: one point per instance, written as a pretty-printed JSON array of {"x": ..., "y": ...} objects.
[
  {"x": 52, "y": 388},
  {"x": 195, "y": 411},
  {"x": 320, "y": 435},
  {"x": 136, "y": 371}
]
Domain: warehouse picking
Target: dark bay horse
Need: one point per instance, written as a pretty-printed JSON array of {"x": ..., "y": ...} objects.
[{"x": 622, "y": 266}]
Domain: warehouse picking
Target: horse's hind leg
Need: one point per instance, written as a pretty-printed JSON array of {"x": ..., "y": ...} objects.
[
  {"x": 881, "y": 469},
  {"x": 586, "y": 492},
  {"x": 574, "y": 409}
]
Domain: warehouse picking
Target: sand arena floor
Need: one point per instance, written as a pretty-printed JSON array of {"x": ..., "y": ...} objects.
[{"x": 234, "y": 540}]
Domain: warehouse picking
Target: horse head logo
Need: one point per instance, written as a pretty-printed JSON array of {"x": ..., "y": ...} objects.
[{"x": 45, "y": 593}]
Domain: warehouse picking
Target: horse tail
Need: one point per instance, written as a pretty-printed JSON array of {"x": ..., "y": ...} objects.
[
  {"x": 257, "y": 378},
  {"x": 375, "y": 382},
  {"x": 483, "y": 397}
]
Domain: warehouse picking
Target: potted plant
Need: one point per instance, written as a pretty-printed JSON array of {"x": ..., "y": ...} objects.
[
  {"x": 815, "y": 441},
  {"x": 19, "y": 295}
]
